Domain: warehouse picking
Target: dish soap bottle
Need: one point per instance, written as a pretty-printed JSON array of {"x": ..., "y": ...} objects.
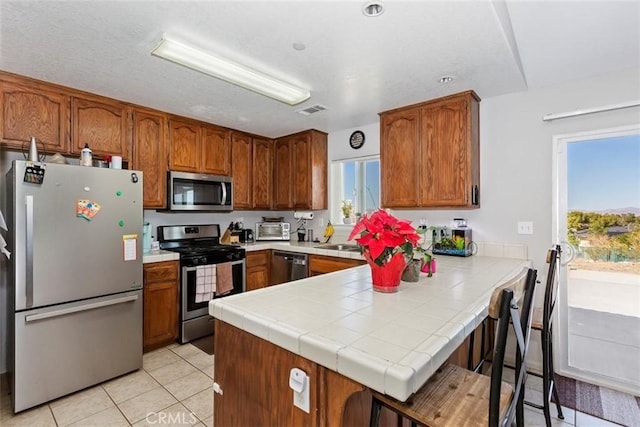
[{"x": 86, "y": 156}]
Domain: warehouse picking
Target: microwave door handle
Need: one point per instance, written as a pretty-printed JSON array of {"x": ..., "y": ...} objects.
[{"x": 224, "y": 193}]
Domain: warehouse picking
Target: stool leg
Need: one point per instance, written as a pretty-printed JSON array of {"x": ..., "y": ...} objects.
[
  {"x": 552, "y": 375},
  {"x": 546, "y": 380}
]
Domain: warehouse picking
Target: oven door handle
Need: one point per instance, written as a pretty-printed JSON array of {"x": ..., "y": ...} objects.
[{"x": 186, "y": 269}]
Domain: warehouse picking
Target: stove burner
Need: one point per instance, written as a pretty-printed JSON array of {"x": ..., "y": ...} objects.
[{"x": 198, "y": 245}]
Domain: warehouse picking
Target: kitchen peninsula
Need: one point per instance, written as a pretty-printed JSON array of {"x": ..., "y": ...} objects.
[{"x": 346, "y": 338}]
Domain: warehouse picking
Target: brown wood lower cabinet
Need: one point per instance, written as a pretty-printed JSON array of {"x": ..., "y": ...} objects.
[
  {"x": 258, "y": 269},
  {"x": 160, "y": 304},
  {"x": 254, "y": 377},
  {"x": 319, "y": 264}
]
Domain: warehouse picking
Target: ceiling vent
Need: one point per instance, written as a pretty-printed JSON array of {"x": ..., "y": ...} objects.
[{"x": 312, "y": 109}]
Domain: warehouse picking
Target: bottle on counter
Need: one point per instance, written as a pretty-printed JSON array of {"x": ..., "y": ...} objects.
[{"x": 86, "y": 156}]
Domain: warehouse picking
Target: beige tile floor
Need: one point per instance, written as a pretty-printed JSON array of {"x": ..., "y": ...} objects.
[{"x": 175, "y": 388}]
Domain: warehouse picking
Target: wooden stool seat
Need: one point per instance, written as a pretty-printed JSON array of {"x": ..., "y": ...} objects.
[{"x": 453, "y": 396}]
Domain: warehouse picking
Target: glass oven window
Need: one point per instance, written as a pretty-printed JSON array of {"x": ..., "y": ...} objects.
[{"x": 271, "y": 230}]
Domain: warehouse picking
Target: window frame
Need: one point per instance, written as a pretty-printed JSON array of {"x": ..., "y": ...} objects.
[{"x": 337, "y": 183}]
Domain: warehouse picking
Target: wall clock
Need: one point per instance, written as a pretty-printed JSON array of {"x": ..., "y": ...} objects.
[{"x": 356, "y": 140}]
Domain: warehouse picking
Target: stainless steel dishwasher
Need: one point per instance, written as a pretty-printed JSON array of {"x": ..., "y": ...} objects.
[{"x": 288, "y": 266}]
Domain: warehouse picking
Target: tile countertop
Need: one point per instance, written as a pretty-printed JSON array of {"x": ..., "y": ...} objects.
[
  {"x": 159, "y": 256},
  {"x": 304, "y": 247},
  {"x": 391, "y": 343}
]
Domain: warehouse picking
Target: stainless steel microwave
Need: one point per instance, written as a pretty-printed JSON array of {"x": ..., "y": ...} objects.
[{"x": 199, "y": 192}]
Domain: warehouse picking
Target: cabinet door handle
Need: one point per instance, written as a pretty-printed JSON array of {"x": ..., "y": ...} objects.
[{"x": 475, "y": 196}]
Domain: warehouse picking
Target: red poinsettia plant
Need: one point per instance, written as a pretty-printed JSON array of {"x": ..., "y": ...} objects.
[{"x": 385, "y": 238}]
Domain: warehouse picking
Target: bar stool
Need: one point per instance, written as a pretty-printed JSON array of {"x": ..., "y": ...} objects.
[
  {"x": 542, "y": 319},
  {"x": 454, "y": 396}
]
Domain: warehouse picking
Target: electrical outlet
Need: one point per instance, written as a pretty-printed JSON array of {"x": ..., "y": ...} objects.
[
  {"x": 321, "y": 222},
  {"x": 525, "y": 227}
]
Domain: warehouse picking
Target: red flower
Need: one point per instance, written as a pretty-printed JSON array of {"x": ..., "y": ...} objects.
[{"x": 383, "y": 235}]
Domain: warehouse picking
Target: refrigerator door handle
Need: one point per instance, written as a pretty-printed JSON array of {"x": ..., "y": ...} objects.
[
  {"x": 65, "y": 311},
  {"x": 28, "y": 200}
]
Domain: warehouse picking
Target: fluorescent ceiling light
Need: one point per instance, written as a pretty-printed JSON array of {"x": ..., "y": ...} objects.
[{"x": 232, "y": 72}]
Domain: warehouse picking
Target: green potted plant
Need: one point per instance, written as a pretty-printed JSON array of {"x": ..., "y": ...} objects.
[{"x": 347, "y": 209}]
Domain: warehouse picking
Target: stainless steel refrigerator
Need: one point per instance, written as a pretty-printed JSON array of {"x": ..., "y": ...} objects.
[{"x": 76, "y": 267}]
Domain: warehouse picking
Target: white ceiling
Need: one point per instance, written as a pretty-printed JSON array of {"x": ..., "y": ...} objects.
[{"x": 353, "y": 65}]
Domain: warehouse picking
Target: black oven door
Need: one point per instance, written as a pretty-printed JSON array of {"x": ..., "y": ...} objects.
[{"x": 192, "y": 309}]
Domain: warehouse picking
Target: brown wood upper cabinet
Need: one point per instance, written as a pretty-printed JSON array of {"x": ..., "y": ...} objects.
[
  {"x": 198, "y": 147},
  {"x": 100, "y": 124},
  {"x": 300, "y": 171},
  {"x": 262, "y": 169},
  {"x": 282, "y": 171},
  {"x": 33, "y": 111},
  {"x": 185, "y": 145},
  {"x": 216, "y": 150},
  {"x": 429, "y": 154},
  {"x": 150, "y": 155},
  {"x": 252, "y": 171}
]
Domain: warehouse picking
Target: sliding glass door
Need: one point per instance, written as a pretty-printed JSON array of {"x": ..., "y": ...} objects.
[{"x": 597, "y": 219}]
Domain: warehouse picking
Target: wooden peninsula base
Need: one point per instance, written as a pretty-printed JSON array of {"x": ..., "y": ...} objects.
[{"x": 254, "y": 377}]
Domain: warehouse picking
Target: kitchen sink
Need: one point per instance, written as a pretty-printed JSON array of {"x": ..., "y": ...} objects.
[{"x": 340, "y": 247}]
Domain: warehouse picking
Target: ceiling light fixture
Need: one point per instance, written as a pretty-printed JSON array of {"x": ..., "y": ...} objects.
[
  {"x": 227, "y": 70},
  {"x": 445, "y": 79},
  {"x": 373, "y": 8}
]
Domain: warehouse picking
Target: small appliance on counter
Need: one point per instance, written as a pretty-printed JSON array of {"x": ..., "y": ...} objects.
[
  {"x": 239, "y": 234},
  {"x": 273, "y": 230},
  {"x": 246, "y": 235},
  {"x": 454, "y": 241}
]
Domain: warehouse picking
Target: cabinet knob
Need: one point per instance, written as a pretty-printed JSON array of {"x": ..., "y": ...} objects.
[{"x": 475, "y": 196}]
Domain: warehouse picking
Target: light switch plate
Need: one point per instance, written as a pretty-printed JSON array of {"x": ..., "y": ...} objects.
[{"x": 525, "y": 227}]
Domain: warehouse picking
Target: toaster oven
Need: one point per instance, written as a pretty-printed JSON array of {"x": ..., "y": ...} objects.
[{"x": 272, "y": 231}]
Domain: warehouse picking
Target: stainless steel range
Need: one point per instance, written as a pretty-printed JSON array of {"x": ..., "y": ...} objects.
[{"x": 199, "y": 247}]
